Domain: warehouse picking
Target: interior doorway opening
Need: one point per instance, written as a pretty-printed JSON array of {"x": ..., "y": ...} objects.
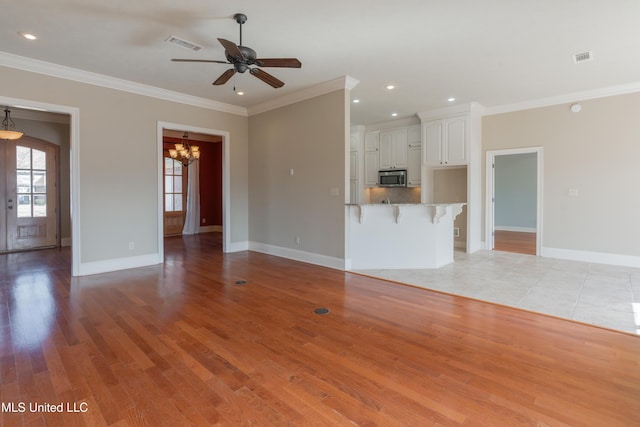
[
  {"x": 211, "y": 172},
  {"x": 514, "y": 200}
]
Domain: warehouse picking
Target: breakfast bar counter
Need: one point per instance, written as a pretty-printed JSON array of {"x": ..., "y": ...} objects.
[{"x": 394, "y": 236}]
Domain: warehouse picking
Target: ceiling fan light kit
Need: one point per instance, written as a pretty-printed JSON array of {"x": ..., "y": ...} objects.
[{"x": 244, "y": 58}]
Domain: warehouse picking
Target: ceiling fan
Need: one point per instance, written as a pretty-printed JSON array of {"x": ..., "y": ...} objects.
[{"x": 243, "y": 58}]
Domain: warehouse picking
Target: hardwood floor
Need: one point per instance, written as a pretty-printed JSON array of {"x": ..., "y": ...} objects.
[
  {"x": 514, "y": 241},
  {"x": 183, "y": 344}
]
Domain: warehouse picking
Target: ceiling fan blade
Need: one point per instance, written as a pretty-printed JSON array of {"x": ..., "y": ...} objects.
[
  {"x": 199, "y": 60},
  {"x": 231, "y": 48},
  {"x": 266, "y": 77},
  {"x": 279, "y": 62},
  {"x": 225, "y": 77}
]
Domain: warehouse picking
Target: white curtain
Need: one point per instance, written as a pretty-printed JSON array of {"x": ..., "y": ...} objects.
[{"x": 192, "y": 219}]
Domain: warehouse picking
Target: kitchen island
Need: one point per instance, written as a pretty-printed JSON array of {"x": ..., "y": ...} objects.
[{"x": 388, "y": 236}]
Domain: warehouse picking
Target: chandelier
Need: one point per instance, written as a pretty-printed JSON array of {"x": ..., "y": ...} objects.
[
  {"x": 185, "y": 152},
  {"x": 8, "y": 127}
]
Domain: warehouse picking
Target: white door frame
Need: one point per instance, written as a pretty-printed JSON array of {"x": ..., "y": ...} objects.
[
  {"x": 74, "y": 131},
  {"x": 490, "y": 193},
  {"x": 226, "y": 188}
]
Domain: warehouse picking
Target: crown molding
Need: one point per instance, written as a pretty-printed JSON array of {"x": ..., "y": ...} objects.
[
  {"x": 344, "y": 82},
  {"x": 564, "y": 99},
  {"x": 81, "y": 76}
]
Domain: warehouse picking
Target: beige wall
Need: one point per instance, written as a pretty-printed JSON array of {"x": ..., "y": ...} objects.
[
  {"x": 450, "y": 186},
  {"x": 309, "y": 137},
  {"x": 119, "y": 157},
  {"x": 595, "y": 151}
]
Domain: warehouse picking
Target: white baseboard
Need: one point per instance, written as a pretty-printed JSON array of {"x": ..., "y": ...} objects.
[
  {"x": 109, "y": 265},
  {"x": 518, "y": 229},
  {"x": 297, "y": 255},
  {"x": 594, "y": 257},
  {"x": 65, "y": 241},
  {"x": 237, "y": 247}
]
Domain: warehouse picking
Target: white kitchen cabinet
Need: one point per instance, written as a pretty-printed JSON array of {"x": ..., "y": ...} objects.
[
  {"x": 353, "y": 165},
  {"x": 393, "y": 149},
  {"x": 414, "y": 166},
  {"x": 371, "y": 158},
  {"x": 446, "y": 141},
  {"x": 371, "y": 164}
]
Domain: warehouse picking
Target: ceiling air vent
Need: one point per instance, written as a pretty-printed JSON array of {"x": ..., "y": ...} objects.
[
  {"x": 582, "y": 57},
  {"x": 183, "y": 43}
]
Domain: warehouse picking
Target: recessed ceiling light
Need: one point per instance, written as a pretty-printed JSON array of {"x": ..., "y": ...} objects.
[
  {"x": 355, "y": 101},
  {"x": 27, "y": 36},
  {"x": 394, "y": 114},
  {"x": 451, "y": 99},
  {"x": 240, "y": 93},
  {"x": 391, "y": 87}
]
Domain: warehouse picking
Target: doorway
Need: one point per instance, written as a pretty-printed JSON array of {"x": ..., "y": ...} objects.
[
  {"x": 166, "y": 133},
  {"x": 28, "y": 189},
  {"x": 514, "y": 200}
]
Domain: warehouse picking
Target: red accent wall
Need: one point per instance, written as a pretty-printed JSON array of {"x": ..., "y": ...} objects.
[{"x": 210, "y": 178}]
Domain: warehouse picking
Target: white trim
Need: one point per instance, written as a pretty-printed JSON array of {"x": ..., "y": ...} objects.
[
  {"x": 490, "y": 193},
  {"x": 451, "y": 111},
  {"x": 516, "y": 229},
  {"x": 345, "y": 82},
  {"x": 68, "y": 73},
  {"x": 109, "y": 265},
  {"x": 297, "y": 255},
  {"x": 226, "y": 178},
  {"x": 237, "y": 247},
  {"x": 592, "y": 257},
  {"x": 564, "y": 99},
  {"x": 74, "y": 135}
]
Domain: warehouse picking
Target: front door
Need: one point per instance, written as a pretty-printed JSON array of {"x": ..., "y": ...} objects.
[{"x": 29, "y": 199}]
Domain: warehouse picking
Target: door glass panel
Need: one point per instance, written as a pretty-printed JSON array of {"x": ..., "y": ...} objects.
[
  {"x": 40, "y": 205},
  {"x": 39, "y": 159},
  {"x": 31, "y": 182},
  {"x": 23, "y": 157},
  {"x": 39, "y": 182},
  {"x": 172, "y": 185},
  {"x": 24, "y": 181},
  {"x": 24, "y": 206}
]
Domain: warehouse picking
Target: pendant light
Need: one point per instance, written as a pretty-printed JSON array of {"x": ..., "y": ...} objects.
[{"x": 8, "y": 131}]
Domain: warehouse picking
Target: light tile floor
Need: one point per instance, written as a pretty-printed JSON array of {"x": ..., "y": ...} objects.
[{"x": 598, "y": 294}]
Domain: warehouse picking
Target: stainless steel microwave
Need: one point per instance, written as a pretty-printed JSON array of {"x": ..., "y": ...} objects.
[{"x": 392, "y": 178}]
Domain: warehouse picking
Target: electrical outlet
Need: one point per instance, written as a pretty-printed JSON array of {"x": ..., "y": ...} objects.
[
  {"x": 132, "y": 246},
  {"x": 456, "y": 231},
  {"x": 204, "y": 220},
  {"x": 297, "y": 240}
]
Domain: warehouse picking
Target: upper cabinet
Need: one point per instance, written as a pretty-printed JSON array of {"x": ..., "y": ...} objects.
[
  {"x": 446, "y": 141},
  {"x": 371, "y": 158},
  {"x": 393, "y": 149}
]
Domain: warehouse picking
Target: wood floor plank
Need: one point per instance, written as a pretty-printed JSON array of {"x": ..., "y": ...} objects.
[{"x": 183, "y": 344}]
